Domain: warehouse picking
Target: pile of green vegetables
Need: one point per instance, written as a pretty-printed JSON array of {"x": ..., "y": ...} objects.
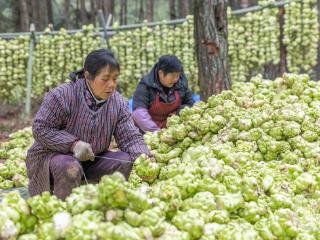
[
  {"x": 244, "y": 165},
  {"x": 13, "y": 156}
]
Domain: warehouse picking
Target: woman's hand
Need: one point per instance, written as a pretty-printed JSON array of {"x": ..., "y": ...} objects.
[{"x": 82, "y": 151}]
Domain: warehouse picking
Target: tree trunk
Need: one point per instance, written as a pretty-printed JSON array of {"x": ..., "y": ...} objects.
[
  {"x": 150, "y": 10},
  {"x": 78, "y": 16},
  {"x": 137, "y": 11},
  {"x": 93, "y": 12},
  {"x": 1, "y": 22},
  {"x": 191, "y": 6},
  {"x": 141, "y": 11},
  {"x": 244, "y": 3},
  {"x": 108, "y": 8},
  {"x": 32, "y": 12},
  {"x": 255, "y": 2},
  {"x": 24, "y": 16},
  {"x": 211, "y": 46},
  {"x": 42, "y": 14},
  {"x": 66, "y": 13},
  {"x": 123, "y": 12},
  {"x": 172, "y": 11},
  {"x": 36, "y": 15},
  {"x": 234, "y": 4},
  {"x": 15, "y": 19},
  {"x": 83, "y": 13},
  {"x": 183, "y": 8},
  {"x": 271, "y": 71},
  {"x": 50, "y": 12},
  {"x": 282, "y": 65}
]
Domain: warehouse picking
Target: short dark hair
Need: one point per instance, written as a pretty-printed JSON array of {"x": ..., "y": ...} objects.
[
  {"x": 169, "y": 64},
  {"x": 98, "y": 59}
]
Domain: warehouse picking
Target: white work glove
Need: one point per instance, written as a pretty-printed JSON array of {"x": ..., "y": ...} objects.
[{"x": 83, "y": 151}]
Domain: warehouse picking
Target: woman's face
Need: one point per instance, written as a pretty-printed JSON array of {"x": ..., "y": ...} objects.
[
  {"x": 105, "y": 83},
  {"x": 168, "y": 80}
]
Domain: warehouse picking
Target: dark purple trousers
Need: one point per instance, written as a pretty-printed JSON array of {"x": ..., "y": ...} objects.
[{"x": 66, "y": 171}]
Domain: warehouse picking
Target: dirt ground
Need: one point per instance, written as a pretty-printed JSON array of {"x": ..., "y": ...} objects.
[
  {"x": 8, "y": 126},
  {"x": 12, "y": 118}
]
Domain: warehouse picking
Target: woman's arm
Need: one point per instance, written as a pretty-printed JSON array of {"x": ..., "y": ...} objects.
[
  {"x": 48, "y": 126},
  {"x": 144, "y": 121},
  {"x": 127, "y": 135},
  {"x": 141, "y": 102}
]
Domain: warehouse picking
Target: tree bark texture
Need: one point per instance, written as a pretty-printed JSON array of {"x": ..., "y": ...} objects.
[
  {"x": 108, "y": 8},
  {"x": 93, "y": 11},
  {"x": 83, "y": 13},
  {"x": 191, "y": 6},
  {"x": 38, "y": 14},
  {"x": 76, "y": 23},
  {"x": 271, "y": 71},
  {"x": 15, "y": 6},
  {"x": 42, "y": 14},
  {"x": 123, "y": 12},
  {"x": 66, "y": 13},
  {"x": 282, "y": 65},
  {"x": 237, "y": 4},
  {"x": 1, "y": 22},
  {"x": 141, "y": 11},
  {"x": 50, "y": 12},
  {"x": 211, "y": 46},
  {"x": 150, "y": 10},
  {"x": 24, "y": 16},
  {"x": 172, "y": 9},
  {"x": 244, "y": 3},
  {"x": 234, "y": 4},
  {"x": 32, "y": 12},
  {"x": 183, "y": 8}
]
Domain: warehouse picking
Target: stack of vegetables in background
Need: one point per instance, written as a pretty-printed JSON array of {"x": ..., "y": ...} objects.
[
  {"x": 253, "y": 40},
  {"x": 245, "y": 165},
  {"x": 58, "y": 55},
  {"x": 13, "y": 68},
  {"x": 301, "y": 20},
  {"x": 13, "y": 155}
]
